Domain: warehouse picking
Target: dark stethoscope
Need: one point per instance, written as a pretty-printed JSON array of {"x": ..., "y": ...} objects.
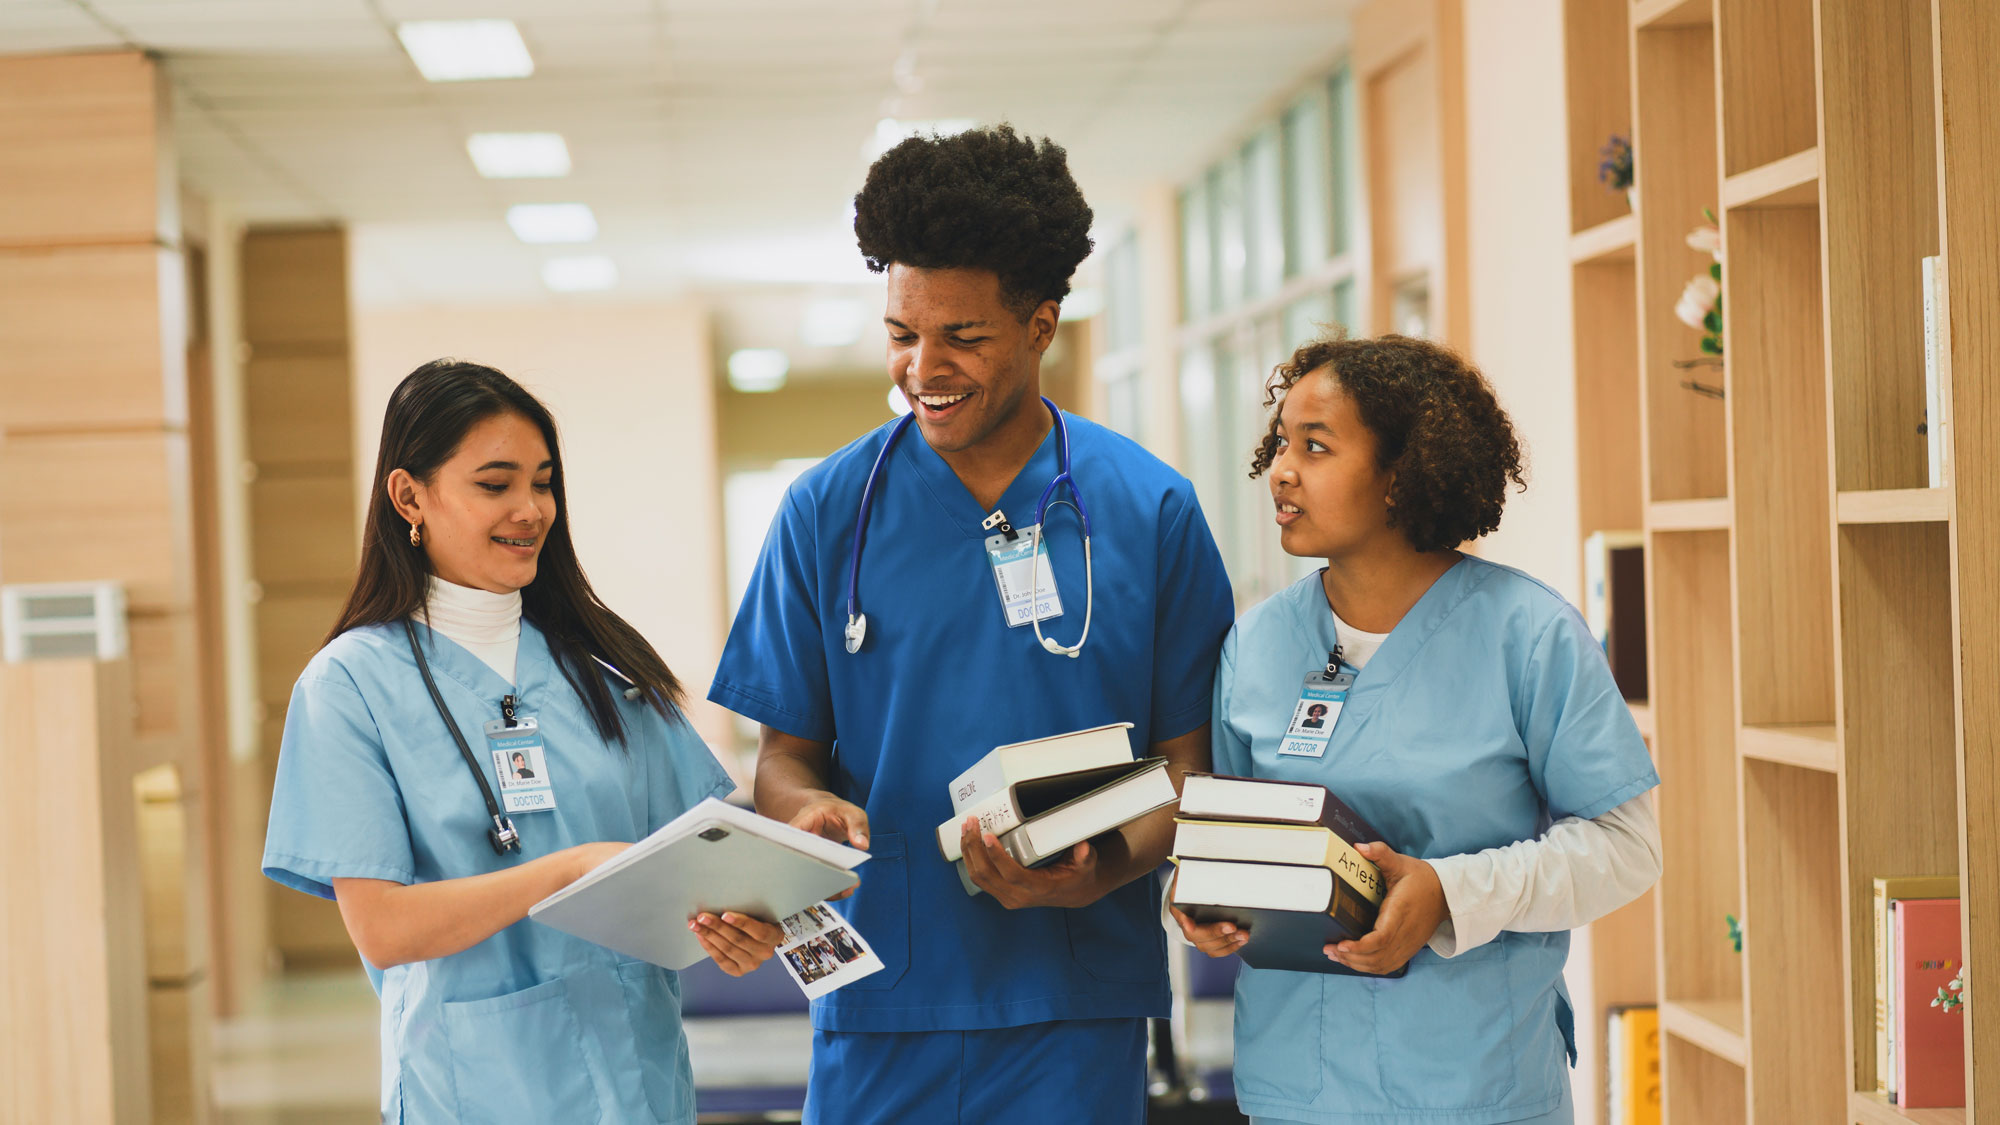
[
  {"x": 857, "y": 621},
  {"x": 503, "y": 835}
]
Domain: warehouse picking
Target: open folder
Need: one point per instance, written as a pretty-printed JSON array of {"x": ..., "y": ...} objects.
[{"x": 712, "y": 858}]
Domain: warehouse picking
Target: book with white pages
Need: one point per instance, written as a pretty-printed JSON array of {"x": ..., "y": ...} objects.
[
  {"x": 713, "y": 858},
  {"x": 1004, "y": 766},
  {"x": 1050, "y": 836}
]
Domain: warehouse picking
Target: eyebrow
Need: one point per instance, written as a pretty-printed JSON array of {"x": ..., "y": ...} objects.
[
  {"x": 958, "y": 326},
  {"x": 1322, "y": 427},
  {"x": 511, "y": 466}
]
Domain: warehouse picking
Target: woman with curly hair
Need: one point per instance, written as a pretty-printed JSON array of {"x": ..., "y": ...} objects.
[{"x": 1479, "y": 731}]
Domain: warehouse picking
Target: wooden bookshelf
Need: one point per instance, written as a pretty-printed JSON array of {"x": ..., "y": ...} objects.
[{"x": 1795, "y": 545}]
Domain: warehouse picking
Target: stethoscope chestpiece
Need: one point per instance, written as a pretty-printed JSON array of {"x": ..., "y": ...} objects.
[
  {"x": 857, "y": 631},
  {"x": 504, "y": 838}
]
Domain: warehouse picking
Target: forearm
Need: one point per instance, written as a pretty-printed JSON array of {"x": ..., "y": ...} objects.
[
  {"x": 1579, "y": 871},
  {"x": 1144, "y": 844},
  {"x": 791, "y": 773},
  {"x": 393, "y": 924}
]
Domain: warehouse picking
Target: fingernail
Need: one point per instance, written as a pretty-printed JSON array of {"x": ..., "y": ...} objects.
[
  {"x": 694, "y": 926},
  {"x": 990, "y": 839},
  {"x": 1228, "y": 929},
  {"x": 1241, "y": 938}
]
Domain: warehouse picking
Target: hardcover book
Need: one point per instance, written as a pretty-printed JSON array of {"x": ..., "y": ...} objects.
[
  {"x": 1291, "y": 912},
  {"x": 1251, "y": 841},
  {"x": 1047, "y": 836},
  {"x": 1887, "y": 890},
  {"x": 1004, "y": 766},
  {"x": 1930, "y": 1042},
  {"x": 1216, "y": 797}
]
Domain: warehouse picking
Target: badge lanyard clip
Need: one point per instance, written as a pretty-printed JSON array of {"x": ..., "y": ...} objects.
[{"x": 1321, "y": 700}]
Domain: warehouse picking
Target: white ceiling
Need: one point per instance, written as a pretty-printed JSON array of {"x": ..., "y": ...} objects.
[{"x": 719, "y": 141}]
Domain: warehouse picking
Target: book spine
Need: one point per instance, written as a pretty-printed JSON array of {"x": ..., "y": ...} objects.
[
  {"x": 1883, "y": 1059},
  {"x": 977, "y": 785},
  {"x": 997, "y": 814},
  {"x": 1348, "y": 864},
  {"x": 1934, "y": 419}
]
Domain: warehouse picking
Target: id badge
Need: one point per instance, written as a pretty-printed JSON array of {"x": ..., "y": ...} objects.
[
  {"x": 1313, "y": 718},
  {"x": 1011, "y": 565},
  {"x": 520, "y": 765}
]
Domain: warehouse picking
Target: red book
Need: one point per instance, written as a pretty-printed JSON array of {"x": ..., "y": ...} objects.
[{"x": 1930, "y": 1042}]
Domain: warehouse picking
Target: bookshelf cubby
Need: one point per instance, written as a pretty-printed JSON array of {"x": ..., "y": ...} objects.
[{"x": 1819, "y": 610}]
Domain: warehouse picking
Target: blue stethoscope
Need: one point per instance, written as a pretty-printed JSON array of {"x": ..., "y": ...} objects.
[{"x": 857, "y": 621}]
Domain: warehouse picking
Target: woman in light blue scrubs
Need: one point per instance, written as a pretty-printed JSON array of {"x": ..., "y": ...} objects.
[
  {"x": 1482, "y": 735},
  {"x": 487, "y": 1016}
]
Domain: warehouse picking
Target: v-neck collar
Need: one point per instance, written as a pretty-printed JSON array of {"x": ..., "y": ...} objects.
[
  {"x": 449, "y": 658},
  {"x": 1404, "y": 641},
  {"x": 1018, "y": 500}
]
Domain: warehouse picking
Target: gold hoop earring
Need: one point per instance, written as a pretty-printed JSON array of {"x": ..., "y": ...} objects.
[{"x": 416, "y": 536}]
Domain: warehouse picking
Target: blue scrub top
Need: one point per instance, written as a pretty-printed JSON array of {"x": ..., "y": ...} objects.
[
  {"x": 530, "y": 1024},
  {"x": 942, "y": 680},
  {"x": 1487, "y": 714}
]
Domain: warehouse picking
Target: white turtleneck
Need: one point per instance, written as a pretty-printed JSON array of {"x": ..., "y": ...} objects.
[{"x": 485, "y": 624}]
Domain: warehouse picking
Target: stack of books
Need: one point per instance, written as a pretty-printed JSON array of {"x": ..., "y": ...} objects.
[
  {"x": 1277, "y": 859},
  {"x": 1045, "y": 796},
  {"x": 1919, "y": 1046}
]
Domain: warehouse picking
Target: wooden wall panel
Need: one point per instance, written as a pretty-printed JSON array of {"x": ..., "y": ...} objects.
[
  {"x": 289, "y": 631},
  {"x": 103, "y": 506},
  {"x": 164, "y": 663},
  {"x": 71, "y": 926},
  {"x": 82, "y": 345},
  {"x": 83, "y": 154},
  {"x": 295, "y": 289},
  {"x": 301, "y": 411},
  {"x": 303, "y": 530}
]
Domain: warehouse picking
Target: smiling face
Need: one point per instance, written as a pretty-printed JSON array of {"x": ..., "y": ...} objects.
[
  {"x": 962, "y": 357},
  {"x": 1332, "y": 498},
  {"x": 487, "y": 511}
]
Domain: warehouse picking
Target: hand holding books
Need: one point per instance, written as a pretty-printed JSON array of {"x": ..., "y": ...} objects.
[
  {"x": 1413, "y": 907},
  {"x": 1070, "y": 881},
  {"x": 1291, "y": 863}
]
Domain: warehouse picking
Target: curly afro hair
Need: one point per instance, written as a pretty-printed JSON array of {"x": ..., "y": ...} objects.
[
  {"x": 987, "y": 199},
  {"x": 1437, "y": 426}
]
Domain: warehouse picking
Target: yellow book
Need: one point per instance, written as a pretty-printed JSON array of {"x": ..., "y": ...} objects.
[{"x": 1641, "y": 1063}]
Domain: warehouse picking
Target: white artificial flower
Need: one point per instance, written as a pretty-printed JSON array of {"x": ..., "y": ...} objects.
[
  {"x": 1697, "y": 299},
  {"x": 1706, "y": 239}
]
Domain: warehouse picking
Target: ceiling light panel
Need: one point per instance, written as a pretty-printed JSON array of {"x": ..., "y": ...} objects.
[
  {"x": 466, "y": 50},
  {"x": 584, "y": 274},
  {"x": 552, "y": 222},
  {"x": 519, "y": 156}
]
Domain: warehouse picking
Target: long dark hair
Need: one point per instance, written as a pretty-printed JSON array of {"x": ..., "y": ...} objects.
[{"x": 429, "y": 415}]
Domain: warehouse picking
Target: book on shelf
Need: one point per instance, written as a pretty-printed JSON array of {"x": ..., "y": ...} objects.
[
  {"x": 1937, "y": 387},
  {"x": 1930, "y": 1041},
  {"x": 1309, "y": 845},
  {"x": 1632, "y": 1055},
  {"x": 1614, "y": 604},
  {"x": 1290, "y": 911},
  {"x": 1887, "y": 890},
  {"x": 1046, "y": 836}
]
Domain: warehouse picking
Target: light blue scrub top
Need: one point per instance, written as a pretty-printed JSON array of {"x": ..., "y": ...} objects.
[
  {"x": 1487, "y": 714},
  {"x": 530, "y": 1024},
  {"x": 942, "y": 680}
]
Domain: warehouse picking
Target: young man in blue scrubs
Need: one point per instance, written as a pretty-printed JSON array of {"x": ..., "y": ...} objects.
[{"x": 881, "y": 669}]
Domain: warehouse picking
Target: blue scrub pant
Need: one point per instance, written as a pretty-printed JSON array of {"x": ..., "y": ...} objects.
[
  {"x": 1068, "y": 1072},
  {"x": 1564, "y": 1114}
]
